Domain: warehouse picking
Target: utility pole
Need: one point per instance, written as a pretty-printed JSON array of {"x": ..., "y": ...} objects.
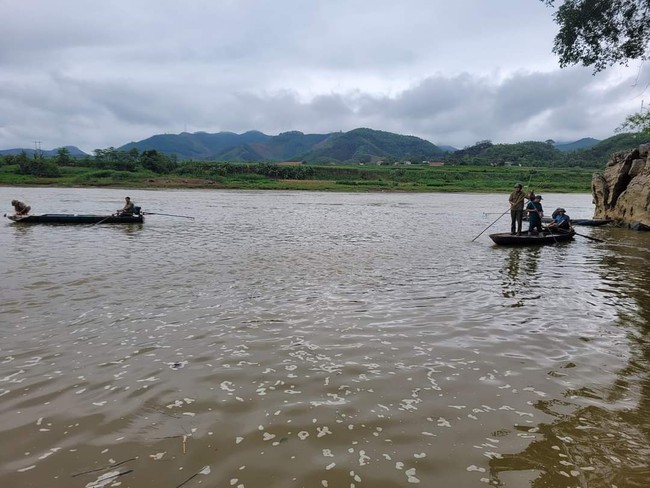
[{"x": 37, "y": 147}]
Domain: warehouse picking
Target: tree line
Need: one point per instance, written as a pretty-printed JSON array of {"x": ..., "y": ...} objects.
[
  {"x": 544, "y": 154},
  {"x": 483, "y": 153},
  {"x": 104, "y": 159}
]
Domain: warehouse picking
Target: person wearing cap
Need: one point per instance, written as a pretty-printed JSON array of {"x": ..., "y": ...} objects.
[
  {"x": 560, "y": 220},
  {"x": 20, "y": 208},
  {"x": 516, "y": 209},
  {"x": 128, "y": 208},
  {"x": 535, "y": 214}
]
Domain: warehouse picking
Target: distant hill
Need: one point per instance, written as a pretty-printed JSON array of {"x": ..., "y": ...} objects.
[
  {"x": 529, "y": 153},
  {"x": 584, "y": 143},
  {"x": 605, "y": 148},
  {"x": 199, "y": 145},
  {"x": 74, "y": 151},
  {"x": 367, "y": 145},
  {"x": 534, "y": 153},
  {"x": 355, "y": 146}
]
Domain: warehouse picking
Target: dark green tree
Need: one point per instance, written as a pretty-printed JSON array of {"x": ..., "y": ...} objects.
[
  {"x": 112, "y": 158},
  {"x": 157, "y": 162},
  {"x": 601, "y": 33},
  {"x": 63, "y": 157},
  {"x": 37, "y": 166}
]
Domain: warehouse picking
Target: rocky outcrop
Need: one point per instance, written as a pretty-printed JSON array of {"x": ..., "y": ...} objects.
[{"x": 622, "y": 191}]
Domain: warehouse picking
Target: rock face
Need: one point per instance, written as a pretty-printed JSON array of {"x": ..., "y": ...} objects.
[{"x": 622, "y": 191}]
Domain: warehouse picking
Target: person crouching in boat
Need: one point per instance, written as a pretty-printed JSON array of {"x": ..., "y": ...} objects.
[
  {"x": 561, "y": 221},
  {"x": 20, "y": 208},
  {"x": 535, "y": 214},
  {"x": 127, "y": 210}
]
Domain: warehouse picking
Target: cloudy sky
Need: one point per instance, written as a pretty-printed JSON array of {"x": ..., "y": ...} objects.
[{"x": 96, "y": 74}]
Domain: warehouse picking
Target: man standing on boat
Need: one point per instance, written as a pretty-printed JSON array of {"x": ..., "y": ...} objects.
[
  {"x": 535, "y": 214},
  {"x": 20, "y": 208},
  {"x": 516, "y": 209},
  {"x": 128, "y": 208}
]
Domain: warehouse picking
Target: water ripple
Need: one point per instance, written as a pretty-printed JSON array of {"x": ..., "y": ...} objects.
[{"x": 308, "y": 339}]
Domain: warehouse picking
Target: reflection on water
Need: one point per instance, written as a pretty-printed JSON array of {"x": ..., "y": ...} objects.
[
  {"x": 311, "y": 339},
  {"x": 520, "y": 274},
  {"x": 605, "y": 443}
]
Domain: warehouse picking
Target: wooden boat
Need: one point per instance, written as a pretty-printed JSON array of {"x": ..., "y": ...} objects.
[
  {"x": 508, "y": 239},
  {"x": 591, "y": 222},
  {"x": 77, "y": 219},
  {"x": 582, "y": 222}
]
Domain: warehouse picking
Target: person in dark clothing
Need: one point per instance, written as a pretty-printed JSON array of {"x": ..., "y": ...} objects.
[
  {"x": 535, "y": 214},
  {"x": 516, "y": 209},
  {"x": 560, "y": 220},
  {"x": 20, "y": 208},
  {"x": 128, "y": 208}
]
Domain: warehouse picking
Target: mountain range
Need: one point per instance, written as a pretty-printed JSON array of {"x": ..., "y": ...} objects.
[
  {"x": 355, "y": 146},
  {"x": 358, "y": 145},
  {"x": 73, "y": 150}
]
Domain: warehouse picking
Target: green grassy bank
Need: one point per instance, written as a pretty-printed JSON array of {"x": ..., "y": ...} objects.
[{"x": 415, "y": 178}]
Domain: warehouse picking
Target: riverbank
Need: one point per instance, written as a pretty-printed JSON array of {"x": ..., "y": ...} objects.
[{"x": 319, "y": 178}]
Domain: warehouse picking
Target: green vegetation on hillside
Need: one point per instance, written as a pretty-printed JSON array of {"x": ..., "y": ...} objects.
[
  {"x": 544, "y": 153},
  {"x": 482, "y": 167},
  {"x": 145, "y": 170},
  {"x": 358, "y": 146},
  {"x": 355, "y": 146},
  {"x": 368, "y": 146}
]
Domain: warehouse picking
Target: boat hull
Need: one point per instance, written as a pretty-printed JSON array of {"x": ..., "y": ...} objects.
[
  {"x": 507, "y": 239},
  {"x": 591, "y": 222},
  {"x": 77, "y": 219},
  {"x": 582, "y": 222}
]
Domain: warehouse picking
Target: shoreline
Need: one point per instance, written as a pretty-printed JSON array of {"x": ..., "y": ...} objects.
[{"x": 303, "y": 187}]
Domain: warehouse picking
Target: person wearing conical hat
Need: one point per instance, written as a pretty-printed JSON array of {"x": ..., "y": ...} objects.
[{"x": 560, "y": 220}]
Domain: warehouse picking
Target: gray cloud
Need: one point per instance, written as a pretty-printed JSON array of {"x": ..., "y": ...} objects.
[{"x": 100, "y": 75}]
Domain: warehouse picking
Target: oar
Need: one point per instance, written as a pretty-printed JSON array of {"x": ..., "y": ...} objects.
[
  {"x": 104, "y": 220},
  {"x": 168, "y": 215},
  {"x": 581, "y": 235},
  {"x": 589, "y": 237},
  {"x": 490, "y": 225}
]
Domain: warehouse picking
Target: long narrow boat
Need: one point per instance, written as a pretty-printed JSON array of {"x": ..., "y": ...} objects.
[
  {"x": 582, "y": 222},
  {"x": 508, "y": 239},
  {"x": 77, "y": 219},
  {"x": 591, "y": 222}
]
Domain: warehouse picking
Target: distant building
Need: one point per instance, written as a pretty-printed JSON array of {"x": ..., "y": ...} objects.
[
  {"x": 289, "y": 163},
  {"x": 435, "y": 163}
]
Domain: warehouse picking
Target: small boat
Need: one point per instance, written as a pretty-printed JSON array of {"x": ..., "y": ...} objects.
[
  {"x": 591, "y": 222},
  {"x": 508, "y": 239},
  {"x": 77, "y": 219},
  {"x": 583, "y": 222}
]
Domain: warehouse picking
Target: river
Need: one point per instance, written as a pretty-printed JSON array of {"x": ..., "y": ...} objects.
[{"x": 308, "y": 339}]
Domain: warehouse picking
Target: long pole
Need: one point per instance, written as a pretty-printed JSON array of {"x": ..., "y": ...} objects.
[
  {"x": 168, "y": 215},
  {"x": 490, "y": 225},
  {"x": 529, "y": 179},
  {"x": 591, "y": 238},
  {"x": 103, "y": 220},
  {"x": 582, "y": 235}
]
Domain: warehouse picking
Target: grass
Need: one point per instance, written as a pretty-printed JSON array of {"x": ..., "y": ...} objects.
[{"x": 329, "y": 178}]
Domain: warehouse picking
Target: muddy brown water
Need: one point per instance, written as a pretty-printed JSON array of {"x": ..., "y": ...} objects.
[{"x": 299, "y": 339}]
